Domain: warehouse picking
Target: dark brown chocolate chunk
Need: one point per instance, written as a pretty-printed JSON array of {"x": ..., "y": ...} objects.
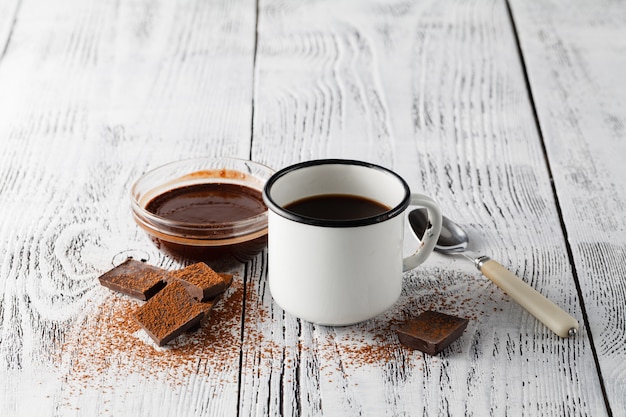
[
  {"x": 431, "y": 331},
  {"x": 170, "y": 313},
  {"x": 228, "y": 278},
  {"x": 134, "y": 278},
  {"x": 202, "y": 282},
  {"x": 206, "y": 306}
]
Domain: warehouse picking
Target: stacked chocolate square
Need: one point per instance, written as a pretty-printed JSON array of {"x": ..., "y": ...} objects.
[{"x": 176, "y": 301}]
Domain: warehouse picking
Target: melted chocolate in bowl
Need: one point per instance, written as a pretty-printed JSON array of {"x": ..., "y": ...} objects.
[
  {"x": 205, "y": 215},
  {"x": 209, "y": 203}
]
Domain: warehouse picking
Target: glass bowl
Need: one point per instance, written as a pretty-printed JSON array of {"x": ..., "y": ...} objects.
[{"x": 221, "y": 230}]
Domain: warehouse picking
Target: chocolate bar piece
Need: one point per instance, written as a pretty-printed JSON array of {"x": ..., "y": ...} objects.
[
  {"x": 228, "y": 278},
  {"x": 206, "y": 307},
  {"x": 431, "y": 331},
  {"x": 170, "y": 313},
  {"x": 201, "y": 281},
  {"x": 134, "y": 278}
]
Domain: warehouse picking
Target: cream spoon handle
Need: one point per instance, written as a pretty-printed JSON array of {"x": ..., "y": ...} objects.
[{"x": 535, "y": 303}]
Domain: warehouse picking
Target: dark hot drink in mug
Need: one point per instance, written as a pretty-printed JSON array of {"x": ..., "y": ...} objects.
[{"x": 337, "y": 207}]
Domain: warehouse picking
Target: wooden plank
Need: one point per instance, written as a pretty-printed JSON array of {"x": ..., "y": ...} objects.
[
  {"x": 434, "y": 90},
  {"x": 92, "y": 94},
  {"x": 575, "y": 54},
  {"x": 8, "y": 15}
]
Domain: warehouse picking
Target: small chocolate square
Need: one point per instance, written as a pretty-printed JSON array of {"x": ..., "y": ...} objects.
[
  {"x": 170, "y": 313},
  {"x": 134, "y": 278},
  {"x": 431, "y": 331},
  {"x": 202, "y": 282}
]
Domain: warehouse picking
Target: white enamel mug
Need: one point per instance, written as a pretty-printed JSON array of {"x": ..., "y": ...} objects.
[{"x": 340, "y": 272}]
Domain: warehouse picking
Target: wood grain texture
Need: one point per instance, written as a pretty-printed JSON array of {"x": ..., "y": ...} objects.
[
  {"x": 7, "y": 23},
  {"x": 436, "y": 91},
  {"x": 92, "y": 95},
  {"x": 575, "y": 65}
]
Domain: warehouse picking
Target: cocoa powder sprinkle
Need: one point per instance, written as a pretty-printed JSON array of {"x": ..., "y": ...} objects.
[
  {"x": 108, "y": 345},
  {"x": 109, "y": 335}
]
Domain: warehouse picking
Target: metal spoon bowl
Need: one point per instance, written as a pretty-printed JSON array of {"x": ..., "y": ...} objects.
[{"x": 453, "y": 240}]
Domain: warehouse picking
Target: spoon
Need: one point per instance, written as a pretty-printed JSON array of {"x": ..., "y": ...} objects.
[{"x": 454, "y": 240}]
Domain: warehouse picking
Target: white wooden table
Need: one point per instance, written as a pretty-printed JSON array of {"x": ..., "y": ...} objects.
[{"x": 511, "y": 114}]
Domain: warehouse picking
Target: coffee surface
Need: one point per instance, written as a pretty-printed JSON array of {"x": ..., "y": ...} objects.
[
  {"x": 208, "y": 203},
  {"x": 337, "y": 207}
]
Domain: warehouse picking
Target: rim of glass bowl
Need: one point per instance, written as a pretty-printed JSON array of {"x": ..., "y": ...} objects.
[{"x": 181, "y": 173}]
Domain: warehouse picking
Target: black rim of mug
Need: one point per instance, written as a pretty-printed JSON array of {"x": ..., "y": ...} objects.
[{"x": 281, "y": 211}]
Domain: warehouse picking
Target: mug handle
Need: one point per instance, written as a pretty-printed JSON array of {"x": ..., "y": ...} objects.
[{"x": 429, "y": 240}]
